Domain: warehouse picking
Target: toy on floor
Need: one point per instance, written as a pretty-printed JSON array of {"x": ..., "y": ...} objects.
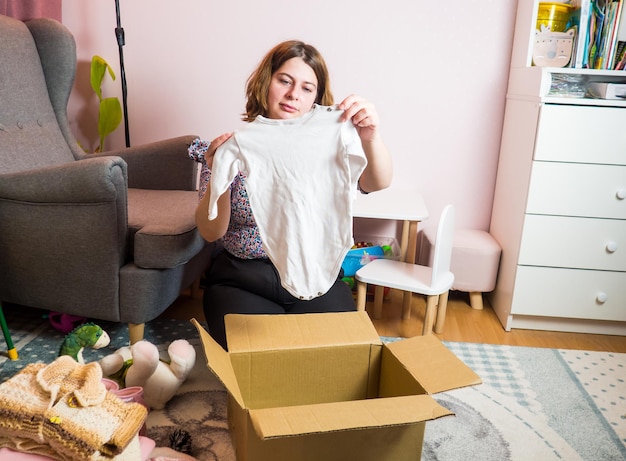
[
  {"x": 65, "y": 323},
  {"x": 85, "y": 335},
  {"x": 141, "y": 365}
]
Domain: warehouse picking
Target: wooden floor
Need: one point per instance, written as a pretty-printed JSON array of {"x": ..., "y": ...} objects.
[{"x": 463, "y": 324}]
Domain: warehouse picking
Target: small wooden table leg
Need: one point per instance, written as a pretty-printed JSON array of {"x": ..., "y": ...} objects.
[
  {"x": 379, "y": 293},
  {"x": 361, "y": 295},
  {"x": 406, "y": 305},
  {"x": 409, "y": 238}
]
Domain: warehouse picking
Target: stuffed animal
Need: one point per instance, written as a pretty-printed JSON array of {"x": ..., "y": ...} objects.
[
  {"x": 65, "y": 323},
  {"x": 85, "y": 335},
  {"x": 141, "y": 365}
]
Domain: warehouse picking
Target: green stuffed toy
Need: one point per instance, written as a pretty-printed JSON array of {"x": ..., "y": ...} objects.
[{"x": 85, "y": 335}]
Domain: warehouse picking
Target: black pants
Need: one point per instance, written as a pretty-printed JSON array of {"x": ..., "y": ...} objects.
[{"x": 242, "y": 286}]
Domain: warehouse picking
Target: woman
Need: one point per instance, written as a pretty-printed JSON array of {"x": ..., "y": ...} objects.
[{"x": 288, "y": 83}]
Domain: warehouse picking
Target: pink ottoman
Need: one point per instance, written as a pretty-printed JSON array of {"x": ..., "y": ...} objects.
[{"x": 475, "y": 261}]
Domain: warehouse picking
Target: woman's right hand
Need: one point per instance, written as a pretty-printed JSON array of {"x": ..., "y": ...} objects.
[{"x": 217, "y": 142}]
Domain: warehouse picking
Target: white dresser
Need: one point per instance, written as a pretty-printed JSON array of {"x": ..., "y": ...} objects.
[{"x": 560, "y": 202}]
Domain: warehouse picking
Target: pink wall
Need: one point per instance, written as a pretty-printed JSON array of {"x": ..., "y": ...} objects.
[
  {"x": 30, "y": 9},
  {"x": 437, "y": 72}
]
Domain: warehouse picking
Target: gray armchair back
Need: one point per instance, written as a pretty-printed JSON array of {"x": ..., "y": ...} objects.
[{"x": 108, "y": 236}]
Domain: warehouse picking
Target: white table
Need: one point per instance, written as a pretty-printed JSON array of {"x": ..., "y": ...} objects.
[{"x": 398, "y": 204}]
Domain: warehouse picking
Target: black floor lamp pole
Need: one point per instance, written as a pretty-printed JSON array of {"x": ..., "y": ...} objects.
[{"x": 121, "y": 41}]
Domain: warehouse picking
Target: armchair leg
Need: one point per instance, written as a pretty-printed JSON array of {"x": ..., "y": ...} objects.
[{"x": 135, "y": 332}]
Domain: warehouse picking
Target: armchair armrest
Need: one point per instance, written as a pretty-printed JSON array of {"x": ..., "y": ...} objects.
[
  {"x": 93, "y": 180},
  {"x": 160, "y": 165},
  {"x": 64, "y": 235}
]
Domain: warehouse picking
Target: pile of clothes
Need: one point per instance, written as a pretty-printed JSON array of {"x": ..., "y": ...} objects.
[{"x": 63, "y": 410}]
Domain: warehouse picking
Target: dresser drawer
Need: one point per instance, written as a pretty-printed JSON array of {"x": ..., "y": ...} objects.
[
  {"x": 570, "y": 293},
  {"x": 577, "y": 189},
  {"x": 584, "y": 243},
  {"x": 587, "y": 134}
]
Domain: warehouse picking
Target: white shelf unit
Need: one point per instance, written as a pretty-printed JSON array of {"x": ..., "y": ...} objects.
[{"x": 559, "y": 209}]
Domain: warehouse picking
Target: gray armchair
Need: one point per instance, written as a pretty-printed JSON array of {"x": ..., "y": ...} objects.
[{"x": 108, "y": 236}]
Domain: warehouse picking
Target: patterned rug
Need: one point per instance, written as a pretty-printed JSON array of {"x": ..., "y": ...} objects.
[{"x": 547, "y": 404}]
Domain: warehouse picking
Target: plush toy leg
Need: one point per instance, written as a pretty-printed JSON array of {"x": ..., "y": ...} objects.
[
  {"x": 111, "y": 364},
  {"x": 182, "y": 358}
]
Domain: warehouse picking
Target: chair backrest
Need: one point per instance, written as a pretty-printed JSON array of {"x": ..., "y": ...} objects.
[
  {"x": 443, "y": 244},
  {"x": 37, "y": 60}
]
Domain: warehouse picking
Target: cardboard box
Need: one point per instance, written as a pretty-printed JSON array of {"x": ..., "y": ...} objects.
[{"x": 324, "y": 387}]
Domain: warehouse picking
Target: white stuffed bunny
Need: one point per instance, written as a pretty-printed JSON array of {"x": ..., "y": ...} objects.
[{"x": 140, "y": 365}]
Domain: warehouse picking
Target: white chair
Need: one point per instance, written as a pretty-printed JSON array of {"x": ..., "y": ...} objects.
[{"x": 433, "y": 282}]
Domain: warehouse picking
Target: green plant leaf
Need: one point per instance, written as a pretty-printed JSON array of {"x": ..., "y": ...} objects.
[
  {"x": 111, "y": 73},
  {"x": 98, "y": 68},
  {"x": 110, "y": 117},
  {"x": 110, "y": 111}
]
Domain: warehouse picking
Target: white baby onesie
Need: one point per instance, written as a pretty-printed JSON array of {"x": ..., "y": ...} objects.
[{"x": 301, "y": 179}]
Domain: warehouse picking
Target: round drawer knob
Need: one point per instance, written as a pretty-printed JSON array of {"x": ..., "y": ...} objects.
[
  {"x": 621, "y": 193},
  {"x": 611, "y": 247},
  {"x": 601, "y": 297}
]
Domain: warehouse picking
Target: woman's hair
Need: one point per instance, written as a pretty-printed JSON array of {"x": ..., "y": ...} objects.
[{"x": 257, "y": 87}]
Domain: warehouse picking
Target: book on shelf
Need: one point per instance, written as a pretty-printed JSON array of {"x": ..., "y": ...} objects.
[
  {"x": 601, "y": 26},
  {"x": 620, "y": 41},
  {"x": 595, "y": 31},
  {"x": 620, "y": 56},
  {"x": 612, "y": 33},
  {"x": 582, "y": 18},
  {"x": 608, "y": 21}
]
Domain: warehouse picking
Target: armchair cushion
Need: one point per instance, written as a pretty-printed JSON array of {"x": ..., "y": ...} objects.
[{"x": 162, "y": 229}]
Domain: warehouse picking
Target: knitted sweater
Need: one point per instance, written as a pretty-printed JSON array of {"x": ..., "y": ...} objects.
[{"x": 64, "y": 411}]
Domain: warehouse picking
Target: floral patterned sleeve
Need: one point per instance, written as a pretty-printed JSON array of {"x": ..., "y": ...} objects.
[
  {"x": 196, "y": 151},
  {"x": 242, "y": 239}
]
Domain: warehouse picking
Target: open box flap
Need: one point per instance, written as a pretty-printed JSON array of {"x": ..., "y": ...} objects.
[
  {"x": 255, "y": 333},
  {"x": 219, "y": 363},
  {"x": 432, "y": 364},
  {"x": 342, "y": 416}
]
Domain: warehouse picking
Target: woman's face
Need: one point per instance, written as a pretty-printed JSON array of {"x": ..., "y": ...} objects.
[{"x": 292, "y": 91}]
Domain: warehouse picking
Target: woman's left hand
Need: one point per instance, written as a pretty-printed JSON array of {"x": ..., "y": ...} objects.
[
  {"x": 378, "y": 172},
  {"x": 363, "y": 115}
]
